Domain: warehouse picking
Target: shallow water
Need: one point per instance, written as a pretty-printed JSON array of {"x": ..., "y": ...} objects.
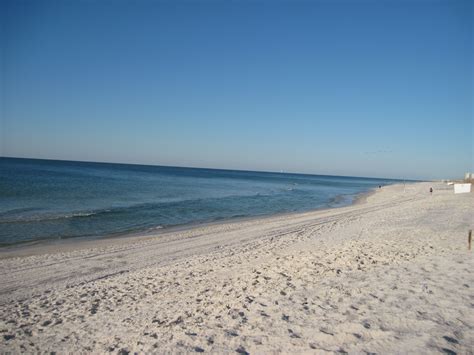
[{"x": 48, "y": 199}]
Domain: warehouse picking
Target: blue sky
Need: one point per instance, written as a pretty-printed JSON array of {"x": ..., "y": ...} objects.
[{"x": 368, "y": 88}]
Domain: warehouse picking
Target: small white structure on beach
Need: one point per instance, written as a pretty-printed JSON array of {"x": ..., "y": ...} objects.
[{"x": 462, "y": 188}]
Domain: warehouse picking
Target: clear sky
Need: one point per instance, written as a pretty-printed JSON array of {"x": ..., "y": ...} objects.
[{"x": 368, "y": 88}]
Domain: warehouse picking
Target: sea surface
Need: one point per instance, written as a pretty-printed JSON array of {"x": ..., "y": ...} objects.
[{"x": 51, "y": 200}]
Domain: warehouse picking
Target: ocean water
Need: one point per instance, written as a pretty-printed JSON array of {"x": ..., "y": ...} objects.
[{"x": 47, "y": 199}]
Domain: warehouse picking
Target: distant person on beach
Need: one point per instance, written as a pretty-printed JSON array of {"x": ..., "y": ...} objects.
[
  {"x": 380, "y": 186},
  {"x": 431, "y": 191}
]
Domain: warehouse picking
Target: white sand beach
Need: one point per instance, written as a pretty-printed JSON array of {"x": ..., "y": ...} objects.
[{"x": 391, "y": 274}]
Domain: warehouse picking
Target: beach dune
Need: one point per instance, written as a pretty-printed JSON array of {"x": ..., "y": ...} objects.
[{"x": 390, "y": 274}]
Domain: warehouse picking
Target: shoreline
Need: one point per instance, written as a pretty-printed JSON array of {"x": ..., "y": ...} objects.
[
  {"x": 388, "y": 275},
  {"x": 36, "y": 247}
]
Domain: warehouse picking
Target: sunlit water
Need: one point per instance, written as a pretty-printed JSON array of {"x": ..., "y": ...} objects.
[{"x": 46, "y": 199}]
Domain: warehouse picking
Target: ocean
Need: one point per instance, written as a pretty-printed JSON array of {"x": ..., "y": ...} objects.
[{"x": 52, "y": 200}]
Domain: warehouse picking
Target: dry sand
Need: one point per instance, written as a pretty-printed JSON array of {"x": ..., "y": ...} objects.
[{"x": 389, "y": 275}]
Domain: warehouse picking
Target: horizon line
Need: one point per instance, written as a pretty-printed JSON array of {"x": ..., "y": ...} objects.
[{"x": 209, "y": 168}]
